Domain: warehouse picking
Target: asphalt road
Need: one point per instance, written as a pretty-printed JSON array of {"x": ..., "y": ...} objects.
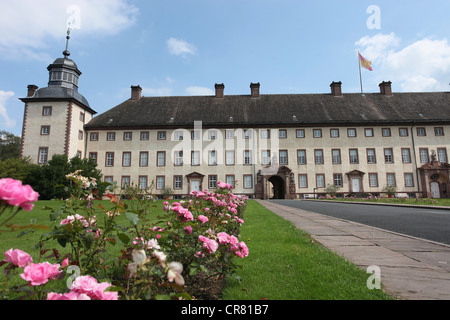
[{"x": 425, "y": 223}]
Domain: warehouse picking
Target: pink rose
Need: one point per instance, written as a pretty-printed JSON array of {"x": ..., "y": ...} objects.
[
  {"x": 72, "y": 295},
  {"x": 202, "y": 218},
  {"x": 85, "y": 284},
  {"x": 101, "y": 294},
  {"x": 188, "y": 229},
  {"x": 223, "y": 237},
  {"x": 15, "y": 194},
  {"x": 40, "y": 273},
  {"x": 18, "y": 258}
]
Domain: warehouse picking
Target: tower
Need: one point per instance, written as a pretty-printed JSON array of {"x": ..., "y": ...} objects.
[{"x": 54, "y": 116}]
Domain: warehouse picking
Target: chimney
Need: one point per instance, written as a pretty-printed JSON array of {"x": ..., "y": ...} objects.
[
  {"x": 136, "y": 92},
  {"x": 32, "y": 90},
  {"x": 219, "y": 90},
  {"x": 336, "y": 89},
  {"x": 385, "y": 88},
  {"x": 254, "y": 87}
]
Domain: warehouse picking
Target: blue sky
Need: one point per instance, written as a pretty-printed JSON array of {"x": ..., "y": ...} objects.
[{"x": 184, "y": 47}]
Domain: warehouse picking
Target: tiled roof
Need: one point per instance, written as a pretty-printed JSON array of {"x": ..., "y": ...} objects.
[{"x": 277, "y": 110}]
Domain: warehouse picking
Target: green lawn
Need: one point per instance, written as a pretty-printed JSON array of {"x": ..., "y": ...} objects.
[{"x": 284, "y": 263}]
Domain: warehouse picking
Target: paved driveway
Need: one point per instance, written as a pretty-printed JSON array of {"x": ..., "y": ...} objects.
[{"x": 426, "y": 223}]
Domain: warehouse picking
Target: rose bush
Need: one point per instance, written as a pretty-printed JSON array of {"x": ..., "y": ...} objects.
[{"x": 174, "y": 256}]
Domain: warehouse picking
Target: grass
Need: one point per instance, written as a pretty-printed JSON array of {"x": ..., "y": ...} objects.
[
  {"x": 284, "y": 263},
  {"x": 411, "y": 201},
  {"x": 287, "y": 264}
]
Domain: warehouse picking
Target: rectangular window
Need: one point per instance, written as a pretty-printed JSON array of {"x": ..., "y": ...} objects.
[
  {"x": 212, "y": 182},
  {"x": 438, "y": 131},
  {"x": 94, "y": 136},
  {"x": 371, "y": 159},
  {"x": 318, "y": 156},
  {"x": 111, "y": 136},
  {"x": 265, "y": 157},
  {"x": 81, "y": 116},
  {"x": 334, "y": 133},
  {"x": 423, "y": 152},
  {"x": 212, "y": 134},
  {"x": 368, "y": 132},
  {"x": 390, "y": 177},
  {"x": 161, "y": 135},
  {"x": 126, "y": 159},
  {"x": 388, "y": 156},
  {"x": 421, "y": 132},
  {"x": 373, "y": 180},
  {"x": 93, "y": 156},
  {"x": 337, "y": 180},
  {"x": 229, "y": 134},
  {"x": 282, "y": 134},
  {"x": 195, "y": 158},
  {"x": 212, "y": 158},
  {"x": 178, "y": 135},
  {"x": 143, "y": 182},
  {"x": 317, "y": 133},
  {"x": 336, "y": 156},
  {"x": 160, "y": 182},
  {"x": 45, "y": 130},
  {"x": 301, "y": 157},
  {"x": 178, "y": 182},
  {"x": 351, "y": 132},
  {"x": 47, "y": 111},
  {"x": 386, "y": 132},
  {"x": 80, "y": 135},
  {"x": 265, "y": 134},
  {"x": 320, "y": 180},
  {"x": 230, "y": 180},
  {"x": 442, "y": 154},
  {"x": 248, "y": 182},
  {"x": 143, "y": 159},
  {"x": 178, "y": 157},
  {"x": 125, "y": 181},
  {"x": 110, "y": 159},
  {"x": 160, "y": 158},
  {"x": 229, "y": 158},
  {"x": 145, "y": 136},
  {"x": 43, "y": 155},
  {"x": 303, "y": 181},
  {"x": 406, "y": 156},
  {"x": 247, "y": 134},
  {"x": 247, "y": 157},
  {"x": 353, "y": 153},
  {"x": 300, "y": 133},
  {"x": 195, "y": 135},
  {"x": 403, "y": 132},
  {"x": 283, "y": 158},
  {"x": 409, "y": 180},
  {"x": 109, "y": 179}
]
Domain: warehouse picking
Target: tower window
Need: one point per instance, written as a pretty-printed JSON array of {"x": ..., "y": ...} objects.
[{"x": 47, "y": 111}]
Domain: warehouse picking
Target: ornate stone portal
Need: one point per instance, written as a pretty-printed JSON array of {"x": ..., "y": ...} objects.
[
  {"x": 434, "y": 178},
  {"x": 275, "y": 182}
]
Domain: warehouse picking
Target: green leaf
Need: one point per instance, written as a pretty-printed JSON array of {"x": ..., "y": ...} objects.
[
  {"x": 132, "y": 217},
  {"x": 123, "y": 238},
  {"x": 193, "y": 271}
]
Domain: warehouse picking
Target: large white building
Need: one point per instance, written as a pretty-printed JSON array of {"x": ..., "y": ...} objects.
[{"x": 282, "y": 146}]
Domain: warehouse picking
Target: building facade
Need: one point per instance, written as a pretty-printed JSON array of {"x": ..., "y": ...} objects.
[{"x": 267, "y": 146}]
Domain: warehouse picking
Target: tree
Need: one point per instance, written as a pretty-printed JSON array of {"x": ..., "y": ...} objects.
[
  {"x": 9, "y": 145},
  {"x": 16, "y": 168},
  {"x": 50, "y": 179}
]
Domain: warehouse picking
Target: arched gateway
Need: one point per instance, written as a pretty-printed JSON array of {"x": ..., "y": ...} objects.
[{"x": 275, "y": 182}]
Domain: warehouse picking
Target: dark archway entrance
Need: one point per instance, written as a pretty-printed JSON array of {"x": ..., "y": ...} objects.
[{"x": 278, "y": 187}]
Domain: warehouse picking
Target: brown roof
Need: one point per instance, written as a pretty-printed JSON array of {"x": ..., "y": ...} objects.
[{"x": 276, "y": 110}]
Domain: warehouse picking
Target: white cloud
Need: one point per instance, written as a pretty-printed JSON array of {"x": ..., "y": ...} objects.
[
  {"x": 180, "y": 47},
  {"x": 6, "y": 120},
  {"x": 417, "y": 67},
  {"x": 199, "y": 91},
  {"x": 27, "y": 25}
]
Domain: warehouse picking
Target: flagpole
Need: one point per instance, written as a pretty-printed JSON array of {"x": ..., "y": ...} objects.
[{"x": 360, "y": 77}]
